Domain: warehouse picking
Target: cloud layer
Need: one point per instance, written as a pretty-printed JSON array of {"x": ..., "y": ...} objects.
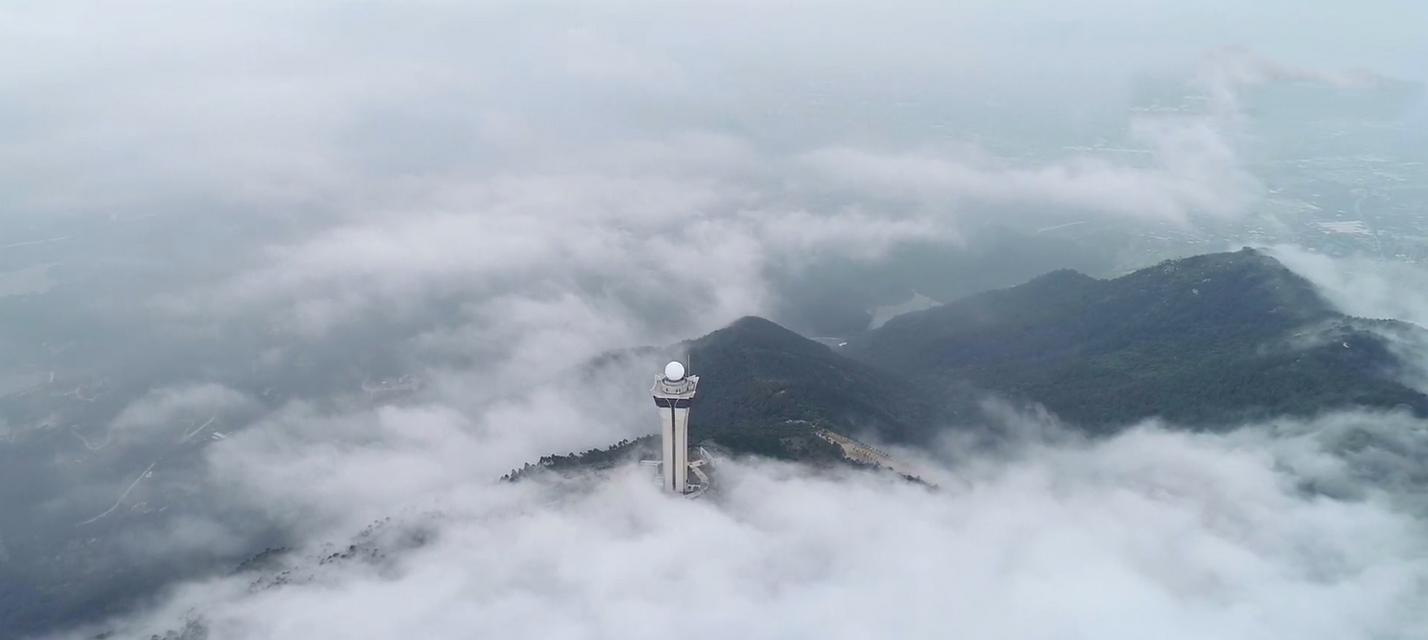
[{"x": 1148, "y": 533}]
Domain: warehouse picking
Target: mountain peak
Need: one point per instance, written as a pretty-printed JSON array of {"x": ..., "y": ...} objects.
[
  {"x": 756, "y": 324},
  {"x": 760, "y": 374},
  {"x": 1242, "y": 283},
  {"x": 759, "y": 333},
  {"x": 1244, "y": 259},
  {"x": 1060, "y": 276}
]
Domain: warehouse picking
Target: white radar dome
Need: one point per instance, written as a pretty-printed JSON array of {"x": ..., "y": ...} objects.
[{"x": 674, "y": 371}]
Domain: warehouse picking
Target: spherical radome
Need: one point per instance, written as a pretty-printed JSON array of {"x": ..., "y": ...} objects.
[{"x": 674, "y": 371}]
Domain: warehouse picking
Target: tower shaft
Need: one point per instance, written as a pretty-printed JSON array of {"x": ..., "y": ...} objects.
[{"x": 674, "y": 441}]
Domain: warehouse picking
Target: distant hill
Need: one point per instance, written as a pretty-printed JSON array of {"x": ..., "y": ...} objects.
[
  {"x": 1210, "y": 339},
  {"x": 1204, "y": 341},
  {"x": 758, "y": 373}
]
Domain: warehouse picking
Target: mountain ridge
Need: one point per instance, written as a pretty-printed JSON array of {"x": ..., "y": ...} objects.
[
  {"x": 1206, "y": 341},
  {"x": 1210, "y": 338}
]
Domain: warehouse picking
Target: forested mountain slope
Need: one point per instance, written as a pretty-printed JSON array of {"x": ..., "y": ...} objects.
[{"x": 1210, "y": 339}]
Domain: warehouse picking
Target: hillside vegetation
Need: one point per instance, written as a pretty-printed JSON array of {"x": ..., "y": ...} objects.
[{"x": 1210, "y": 339}]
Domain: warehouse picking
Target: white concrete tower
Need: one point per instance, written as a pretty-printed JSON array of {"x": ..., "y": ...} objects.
[{"x": 673, "y": 394}]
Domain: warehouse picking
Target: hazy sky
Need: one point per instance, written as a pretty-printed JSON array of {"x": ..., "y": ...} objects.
[{"x": 343, "y": 106}]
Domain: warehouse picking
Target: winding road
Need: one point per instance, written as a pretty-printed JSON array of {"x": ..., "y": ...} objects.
[{"x": 120, "y": 500}]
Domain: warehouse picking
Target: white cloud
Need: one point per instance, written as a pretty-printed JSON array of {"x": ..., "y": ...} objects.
[
  {"x": 176, "y": 411},
  {"x": 1375, "y": 288},
  {"x": 1149, "y": 533},
  {"x": 691, "y": 244},
  {"x": 1227, "y": 72},
  {"x": 1194, "y": 173},
  {"x": 1362, "y": 286}
]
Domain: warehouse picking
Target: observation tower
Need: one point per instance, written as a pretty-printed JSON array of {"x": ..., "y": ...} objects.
[{"x": 673, "y": 394}]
